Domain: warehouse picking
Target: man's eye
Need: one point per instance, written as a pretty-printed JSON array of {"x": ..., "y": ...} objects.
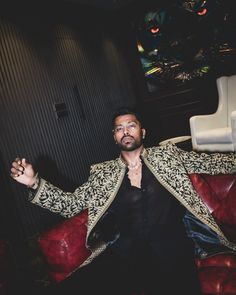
[
  {"x": 119, "y": 129},
  {"x": 132, "y": 126}
]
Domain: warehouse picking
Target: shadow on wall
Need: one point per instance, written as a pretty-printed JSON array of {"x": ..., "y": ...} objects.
[
  {"x": 48, "y": 169},
  {"x": 8, "y": 212}
]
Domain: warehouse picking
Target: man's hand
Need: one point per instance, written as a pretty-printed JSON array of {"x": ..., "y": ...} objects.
[{"x": 23, "y": 172}]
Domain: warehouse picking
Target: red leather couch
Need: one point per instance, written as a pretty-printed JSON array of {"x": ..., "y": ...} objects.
[
  {"x": 63, "y": 246},
  {"x": 217, "y": 273}
]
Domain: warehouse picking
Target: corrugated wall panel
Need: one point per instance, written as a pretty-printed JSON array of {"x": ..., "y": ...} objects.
[{"x": 58, "y": 63}]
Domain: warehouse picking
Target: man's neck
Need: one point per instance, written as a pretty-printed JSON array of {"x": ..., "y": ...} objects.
[{"x": 131, "y": 156}]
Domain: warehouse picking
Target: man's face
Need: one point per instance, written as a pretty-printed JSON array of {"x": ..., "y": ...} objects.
[{"x": 128, "y": 133}]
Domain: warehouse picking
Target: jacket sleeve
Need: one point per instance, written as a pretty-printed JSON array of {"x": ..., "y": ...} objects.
[
  {"x": 209, "y": 163},
  {"x": 66, "y": 204}
]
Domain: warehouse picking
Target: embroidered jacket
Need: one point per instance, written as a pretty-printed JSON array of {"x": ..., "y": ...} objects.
[{"x": 169, "y": 164}]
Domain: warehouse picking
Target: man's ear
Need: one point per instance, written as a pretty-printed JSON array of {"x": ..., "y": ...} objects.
[{"x": 143, "y": 132}]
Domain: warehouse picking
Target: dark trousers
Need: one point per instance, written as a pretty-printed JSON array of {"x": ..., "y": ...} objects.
[{"x": 145, "y": 271}]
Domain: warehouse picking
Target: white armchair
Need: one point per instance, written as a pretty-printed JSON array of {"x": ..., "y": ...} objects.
[{"x": 217, "y": 131}]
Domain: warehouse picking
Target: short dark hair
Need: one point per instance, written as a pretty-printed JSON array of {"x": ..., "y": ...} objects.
[{"x": 126, "y": 111}]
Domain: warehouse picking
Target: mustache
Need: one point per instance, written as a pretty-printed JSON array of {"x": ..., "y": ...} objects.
[{"x": 129, "y": 136}]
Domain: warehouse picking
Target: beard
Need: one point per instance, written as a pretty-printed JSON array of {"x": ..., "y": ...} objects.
[{"x": 135, "y": 144}]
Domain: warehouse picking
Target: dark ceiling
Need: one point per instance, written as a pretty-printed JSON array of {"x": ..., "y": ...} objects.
[{"x": 107, "y": 4}]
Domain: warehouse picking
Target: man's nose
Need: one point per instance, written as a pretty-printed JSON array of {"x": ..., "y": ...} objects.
[{"x": 126, "y": 130}]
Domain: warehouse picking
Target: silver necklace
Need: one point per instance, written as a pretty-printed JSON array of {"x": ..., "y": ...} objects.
[{"x": 135, "y": 165}]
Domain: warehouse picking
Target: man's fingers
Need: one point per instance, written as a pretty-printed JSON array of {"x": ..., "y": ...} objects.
[
  {"x": 17, "y": 160},
  {"x": 17, "y": 166},
  {"x": 14, "y": 175},
  {"x": 23, "y": 162},
  {"x": 18, "y": 171}
]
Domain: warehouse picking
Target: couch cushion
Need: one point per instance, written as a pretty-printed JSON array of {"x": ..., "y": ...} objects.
[
  {"x": 218, "y": 135},
  {"x": 220, "y": 260},
  {"x": 217, "y": 274},
  {"x": 219, "y": 194},
  {"x": 63, "y": 246}
]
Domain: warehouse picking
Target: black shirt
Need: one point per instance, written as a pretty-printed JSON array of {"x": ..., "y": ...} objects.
[{"x": 149, "y": 215}]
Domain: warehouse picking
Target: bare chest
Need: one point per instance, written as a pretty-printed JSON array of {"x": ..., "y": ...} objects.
[{"x": 135, "y": 176}]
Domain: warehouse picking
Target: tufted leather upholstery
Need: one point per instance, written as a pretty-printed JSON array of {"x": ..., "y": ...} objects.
[
  {"x": 64, "y": 246},
  {"x": 218, "y": 273}
]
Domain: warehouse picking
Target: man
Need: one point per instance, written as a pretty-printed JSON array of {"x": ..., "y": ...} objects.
[{"x": 136, "y": 204}]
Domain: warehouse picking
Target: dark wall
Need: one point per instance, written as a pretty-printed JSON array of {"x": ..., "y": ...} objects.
[
  {"x": 53, "y": 59},
  {"x": 167, "y": 115}
]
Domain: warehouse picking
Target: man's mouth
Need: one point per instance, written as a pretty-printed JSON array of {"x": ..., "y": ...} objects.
[{"x": 127, "y": 139}]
